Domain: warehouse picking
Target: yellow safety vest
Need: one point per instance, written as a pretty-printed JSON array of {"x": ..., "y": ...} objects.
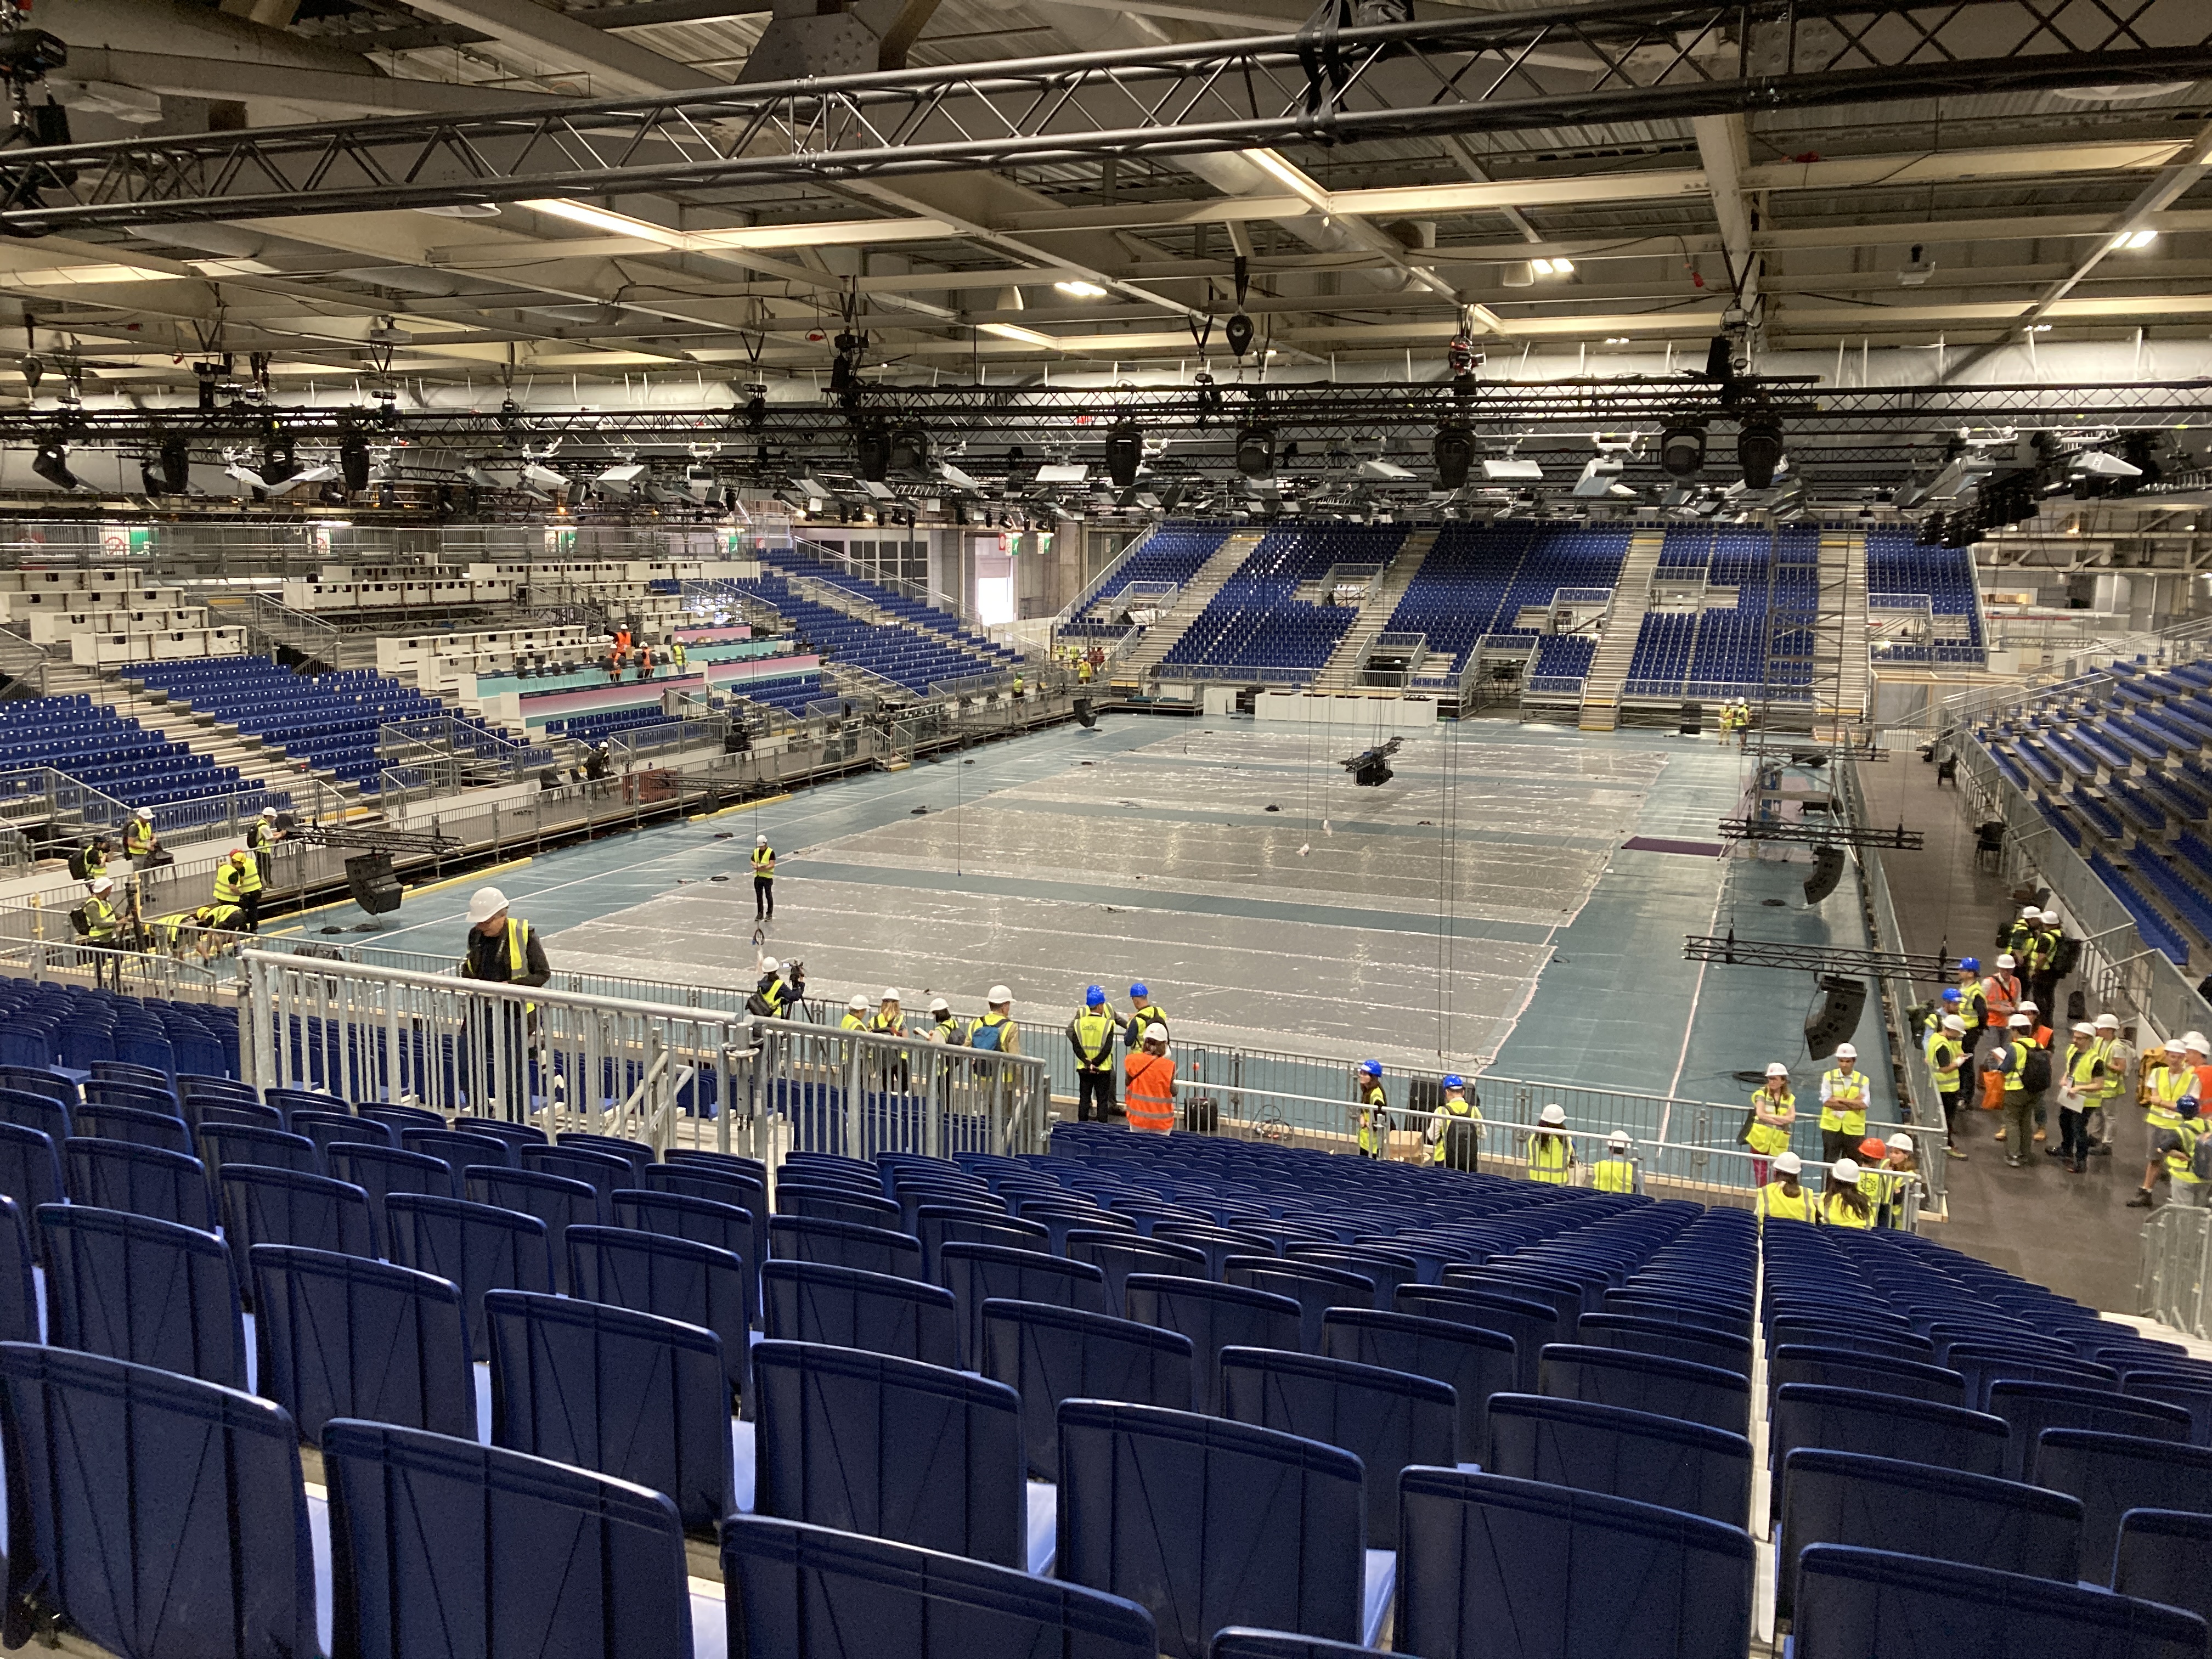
[
  {"x": 2172, "y": 1082},
  {"x": 2043, "y": 949},
  {"x": 1461, "y": 1109},
  {"x": 2110, "y": 1086},
  {"x": 2080, "y": 1063},
  {"x": 1837, "y": 1213},
  {"x": 236, "y": 878},
  {"x": 99, "y": 919},
  {"x": 675, "y": 651},
  {"x": 1840, "y": 1111},
  {"x": 764, "y": 862},
  {"x": 1549, "y": 1157},
  {"x": 2181, "y": 1157},
  {"x": 1766, "y": 1138},
  {"x": 138, "y": 839},
  {"x": 1613, "y": 1174},
  {"x": 1150, "y": 1014},
  {"x": 1775, "y": 1202},
  {"x": 1374, "y": 1122},
  {"x": 1094, "y": 1039},
  {"x": 1944, "y": 1052},
  {"x": 852, "y": 1022},
  {"x": 895, "y": 1026}
]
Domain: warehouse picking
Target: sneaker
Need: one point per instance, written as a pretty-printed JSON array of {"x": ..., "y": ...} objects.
[
  {"x": 2054, "y": 1152},
  {"x": 2000, "y": 1134},
  {"x": 2141, "y": 1200},
  {"x": 1953, "y": 1152},
  {"x": 2040, "y": 1134},
  {"x": 2015, "y": 1164}
]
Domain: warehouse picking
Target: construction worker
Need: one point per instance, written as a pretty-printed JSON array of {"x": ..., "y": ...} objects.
[
  {"x": 2119, "y": 1046},
  {"x": 1018, "y": 685},
  {"x": 2026, "y": 1069},
  {"x": 2039, "y": 1033},
  {"x": 996, "y": 1031},
  {"x": 1872, "y": 1156},
  {"x": 1743, "y": 723},
  {"x": 889, "y": 1017},
  {"x": 645, "y": 669},
  {"x": 763, "y": 880},
  {"x": 2178, "y": 1146},
  {"x": 676, "y": 655},
  {"x": 502, "y": 949},
  {"x": 2004, "y": 991},
  {"x": 263, "y": 837},
  {"x": 1551, "y": 1154},
  {"x": 1773, "y": 1114},
  {"x": 238, "y": 885},
  {"x": 2042, "y": 970},
  {"x": 1973, "y": 1004},
  {"x": 2018, "y": 935},
  {"x": 1151, "y": 1105},
  {"x": 1454, "y": 1134},
  {"x": 1784, "y": 1199},
  {"x": 945, "y": 1026},
  {"x": 1082, "y": 670},
  {"x": 778, "y": 989},
  {"x": 2082, "y": 1071},
  {"x": 1843, "y": 1105},
  {"x": 1946, "y": 1051},
  {"x": 1844, "y": 1202},
  {"x": 621, "y": 639},
  {"x": 1371, "y": 1115},
  {"x": 103, "y": 930},
  {"x": 1616, "y": 1172},
  {"x": 1900, "y": 1172},
  {"x": 2166, "y": 1078},
  {"x": 1143, "y": 1011},
  {"x": 140, "y": 844},
  {"x": 1091, "y": 1034},
  {"x": 856, "y": 1014}
]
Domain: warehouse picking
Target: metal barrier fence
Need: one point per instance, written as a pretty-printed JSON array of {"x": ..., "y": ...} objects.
[
  {"x": 2176, "y": 1241},
  {"x": 650, "y": 1073}
]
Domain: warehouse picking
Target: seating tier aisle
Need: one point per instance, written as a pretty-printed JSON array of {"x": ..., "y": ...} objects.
[
  {"x": 1898, "y": 564},
  {"x": 1721, "y": 648},
  {"x": 1256, "y": 621},
  {"x": 327, "y": 722},
  {"x": 1169, "y": 558},
  {"x": 906, "y": 654},
  {"x": 116, "y": 756},
  {"x": 1210, "y": 1386}
]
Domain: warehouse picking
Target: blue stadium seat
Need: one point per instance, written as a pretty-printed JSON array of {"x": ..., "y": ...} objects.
[
  {"x": 1917, "y": 1430},
  {"x": 1661, "y": 1460},
  {"x": 1532, "y": 1325},
  {"x": 2112, "y": 1473},
  {"x": 121, "y": 1175},
  {"x": 1646, "y": 1382},
  {"x": 1843, "y": 1368},
  {"x": 2031, "y": 1407},
  {"x": 671, "y": 1278},
  {"x": 380, "y": 1171},
  {"x": 1667, "y": 1339},
  {"x": 975, "y": 1274},
  {"x": 1474, "y": 1363},
  {"x": 1214, "y": 1317},
  {"x": 1117, "y": 1255},
  {"x": 476, "y": 1246},
  {"x": 881, "y": 1312},
  {"x": 1046, "y": 1353},
  {"x": 263, "y": 1206},
  {"x": 557, "y": 1201},
  {"x": 340, "y": 1336},
  {"x": 148, "y": 1290},
  {"x": 1316, "y": 1287},
  {"x": 2160, "y": 1557},
  {"x": 871, "y": 1249}
]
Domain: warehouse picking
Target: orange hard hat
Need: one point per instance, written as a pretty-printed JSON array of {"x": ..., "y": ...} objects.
[{"x": 1872, "y": 1147}]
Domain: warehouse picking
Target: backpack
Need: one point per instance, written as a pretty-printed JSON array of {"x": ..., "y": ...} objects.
[
  {"x": 79, "y": 923},
  {"x": 2035, "y": 1072},
  {"x": 2200, "y": 1159},
  {"x": 79, "y": 871},
  {"x": 984, "y": 1036}
]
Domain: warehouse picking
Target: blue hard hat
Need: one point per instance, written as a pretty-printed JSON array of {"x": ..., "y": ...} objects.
[
  {"x": 1093, "y": 997},
  {"x": 1372, "y": 1068},
  {"x": 1951, "y": 994},
  {"x": 1970, "y": 964},
  {"x": 1139, "y": 989},
  {"x": 1454, "y": 1081}
]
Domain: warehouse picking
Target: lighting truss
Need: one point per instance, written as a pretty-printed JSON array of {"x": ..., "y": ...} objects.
[
  {"x": 1900, "y": 839},
  {"x": 1327, "y": 84},
  {"x": 1812, "y": 959},
  {"x": 403, "y": 842}
]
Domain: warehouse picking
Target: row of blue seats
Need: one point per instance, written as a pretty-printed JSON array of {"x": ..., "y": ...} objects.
[
  {"x": 911, "y": 612},
  {"x": 1254, "y": 621},
  {"x": 118, "y": 756},
  {"x": 1173, "y": 553}
]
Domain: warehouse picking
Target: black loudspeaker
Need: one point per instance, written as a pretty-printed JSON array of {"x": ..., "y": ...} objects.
[
  {"x": 370, "y": 880},
  {"x": 1838, "y": 1015},
  {"x": 1692, "y": 723},
  {"x": 1827, "y": 870},
  {"x": 1085, "y": 715}
]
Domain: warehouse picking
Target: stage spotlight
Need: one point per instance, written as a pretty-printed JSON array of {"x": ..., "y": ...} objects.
[
  {"x": 1758, "y": 450},
  {"x": 353, "y": 461},
  {"x": 1455, "y": 456},
  {"x": 51, "y": 464},
  {"x": 278, "y": 462},
  {"x": 1682, "y": 449},
  {"x": 1125, "y": 454},
  {"x": 909, "y": 449},
  {"x": 875, "y": 448},
  {"x": 1255, "y": 452},
  {"x": 1239, "y": 333},
  {"x": 174, "y": 476}
]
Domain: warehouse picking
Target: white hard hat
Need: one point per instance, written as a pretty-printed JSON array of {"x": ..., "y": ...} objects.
[
  {"x": 891, "y": 993},
  {"x": 859, "y": 1005},
  {"x": 1788, "y": 1164},
  {"x": 770, "y": 965},
  {"x": 1778, "y": 1070},
  {"x": 145, "y": 812},
  {"x": 2049, "y": 916},
  {"x": 1845, "y": 1051},
  {"x": 268, "y": 811},
  {"x": 2085, "y": 1030},
  {"x": 485, "y": 903},
  {"x": 2174, "y": 1045},
  {"x": 1952, "y": 1023},
  {"x": 2026, "y": 1007},
  {"x": 760, "y": 841},
  {"x": 2194, "y": 1039},
  {"x": 101, "y": 883},
  {"x": 997, "y": 995},
  {"x": 1899, "y": 1143},
  {"x": 2030, "y": 913},
  {"x": 939, "y": 1006},
  {"x": 1844, "y": 1170},
  {"x": 2108, "y": 1022},
  {"x": 2019, "y": 1023},
  {"x": 1618, "y": 1141},
  {"x": 2006, "y": 961},
  {"x": 1553, "y": 1115},
  {"x": 2196, "y": 1043},
  {"x": 1156, "y": 1034}
]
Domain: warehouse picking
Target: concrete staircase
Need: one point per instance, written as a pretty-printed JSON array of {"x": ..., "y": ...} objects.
[
  {"x": 1136, "y": 664},
  {"x": 1616, "y": 646},
  {"x": 1341, "y": 672},
  {"x": 1840, "y": 647}
]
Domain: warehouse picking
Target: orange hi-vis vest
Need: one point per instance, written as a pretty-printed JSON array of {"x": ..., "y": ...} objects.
[{"x": 1150, "y": 1102}]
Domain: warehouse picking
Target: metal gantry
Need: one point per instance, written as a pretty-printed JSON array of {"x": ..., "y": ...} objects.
[{"x": 1326, "y": 84}]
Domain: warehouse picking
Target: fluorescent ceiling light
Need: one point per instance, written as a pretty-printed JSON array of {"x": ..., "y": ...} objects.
[
  {"x": 2132, "y": 240},
  {"x": 1025, "y": 336},
  {"x": 840, "y": 231},
  {"x": 2039, "y": 328},
  {"x": 1081, "y": 290},
  {"x": 232, "y": 268},
  {"x": 70, "y": 276},
  {"x": 1552, "y": 267},
  {"x": 614, "y": 224},
  {"x": 1063, "y": 472},
  {"x": 1617, "y": 339}
]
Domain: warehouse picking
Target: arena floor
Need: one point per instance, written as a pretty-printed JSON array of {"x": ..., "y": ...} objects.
[{"x": 1478, "y": 911}]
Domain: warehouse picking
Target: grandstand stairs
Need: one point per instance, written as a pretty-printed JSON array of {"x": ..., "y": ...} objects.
[
  {"x": 203, "y": 733},
  {"x": 1137, "y": 663},
  {"x": 1341, "y": 672},
  {"x": 1623, "y": 620},
  {"x": 1841, "y": 676}
]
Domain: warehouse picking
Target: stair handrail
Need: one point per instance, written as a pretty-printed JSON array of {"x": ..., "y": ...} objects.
[{"x": 23, "y": 659}]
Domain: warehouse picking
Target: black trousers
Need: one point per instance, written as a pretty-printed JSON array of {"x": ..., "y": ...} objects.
[
  {"x": 763, "y": 899},
  {"x": 1950, "y": 1113},
  {"x": 2073, "y": 1136},
  {"x": 1094, "y": 1096},
  {"x": 1838, "y": 1143}
]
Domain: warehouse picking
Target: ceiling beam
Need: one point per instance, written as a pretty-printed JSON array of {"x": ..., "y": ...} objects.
[{"x": 616, "y": 65}]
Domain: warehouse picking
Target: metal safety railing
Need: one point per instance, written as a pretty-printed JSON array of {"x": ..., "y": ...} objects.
[
  {"x": 2176, "y": 1268},
  {"x": 650, "y": 1072}
]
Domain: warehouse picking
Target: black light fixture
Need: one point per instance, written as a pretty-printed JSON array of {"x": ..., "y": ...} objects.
[
  {"x": 1255, "y": 452},
  {"x": 51, "y": 464},
  {"x": 909, "y": 449},
  {"x": 1239, "y": 333},
  {"x": 875, "y": 447},
  {"x": 1124, "y": 454},
  {"x": 1682, "y": 449},
  {"x": 174, "y": 475},
  {"x": 1455, "y": 456},
  {"x": 1758, "y": 450},
  {"x": 353, "y": 461},
  {"x": 278, "y": 461}
]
